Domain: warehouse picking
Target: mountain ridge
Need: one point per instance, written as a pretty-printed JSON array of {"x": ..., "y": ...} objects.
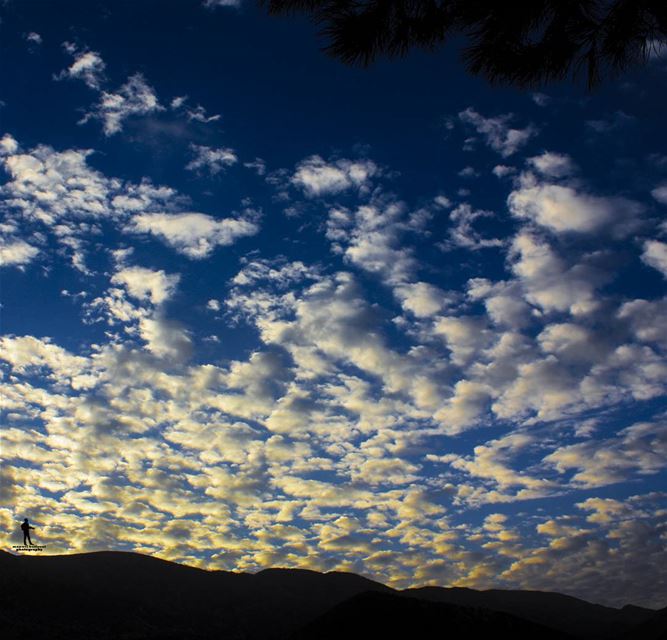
[{"x": 159, "y": 597}]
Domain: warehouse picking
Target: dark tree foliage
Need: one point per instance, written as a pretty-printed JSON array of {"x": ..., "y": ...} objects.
[{"x": 525, "y": 43}]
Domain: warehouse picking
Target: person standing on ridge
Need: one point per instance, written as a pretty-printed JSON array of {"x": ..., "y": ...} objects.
[{"x": 26, "y": 532}]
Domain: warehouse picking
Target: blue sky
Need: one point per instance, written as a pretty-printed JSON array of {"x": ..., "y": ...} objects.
[{"x": 262, "y": 309}]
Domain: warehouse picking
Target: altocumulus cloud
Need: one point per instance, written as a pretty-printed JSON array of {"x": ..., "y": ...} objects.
[
  {"x": 195, "y": 235},
  {"x": 391, "y": 381}
]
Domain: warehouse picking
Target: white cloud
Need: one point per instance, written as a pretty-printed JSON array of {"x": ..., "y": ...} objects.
[
  {"x": 8, "y": 145},
  {"x": 178, "y": 102},
  {"x": 26, "y": 353},
  {"x": 422, "y": 299},
  {"x": 660, "y": 193},
  {"x": 502, "y": 170},
  {"x": 563, "y": 208},
  {"x": 211, "y": 160},
  {"x": 135, "y": 98},
  {"x": 47, "y": 185},
  {"x": 655, "y": 255},
  {"x": 442, "y": 201},
  {"x": 646, "y": 319},
  {"x": 553, "y": 165},
  {"x": 278, "y": 272},
  {"x": 640, "y": 448},
  {"x": 33, "y": 37},
  {"x": 52, "y": 186},
  {"x": 213, "y": 305},
  {"x": 370, "y": 239},
  {"x": 61, "y": 191},
  {"x": 541, "y": 99},
  {"x": 316, "y": 177},
  {"x": 573, "y": 343},
  {"x": 469, "y": 402},
  {"x": 212, "y": 4},
  {"x": 497, "y": 131},
  {"x": 344, "y": 382},
  {"x": 549, "y": 281},
  {"x": 258, "y": 165},
  {"x": 617, "y": 120},
  {"x": 146, "y": 284},
  {"x": 468, "y": 172},
  {"x": 493, "y": 461},
  {"x": 463, "y": 234},
  {"x": 16, "y": 253},
  {"x": 87, "y": 66},
  {"x": 465, "y": 336},
  {"x": 503, "y": 301},
  {"x": 198, "y": 114},
  {"x": 165, "y": 338},
  {"x": 195, "y": 235}
]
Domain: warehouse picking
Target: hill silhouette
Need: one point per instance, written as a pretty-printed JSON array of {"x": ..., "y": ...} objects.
[
  {"x": 655, "y": 628},
  {"x": 571, "y": 615},
  {"x": 105, "y": 595},
  {"x": 396, "y": 617}
]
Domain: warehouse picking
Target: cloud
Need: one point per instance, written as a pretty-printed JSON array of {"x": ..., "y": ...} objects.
[
  {"x": 8, "y": 145},
  {"x": 618, "y": 533},
  {"x": 208, "y": 159},
  {"x": 33, "y": 37},
  {"x": 640, "y": 448},
  {"x": 541, "y": 99},
  {"x": 178, "y": 102},
  {"x": 469, "y": 402},
  {"x": 27, "y": 353},
  {"x": 468, "y": 172},
  {"x": 213, "y": 4},
  {"x": 492, "y": 461},
  {"x": 192, "y": 114},
  {"x": 146, "y": 284},
  {"x": 195, "y": 235},
  {"x": 88, "y": 66},
  {"x": 655, "y": 255},
  {"x": 257, "y": 165},
  {"x": 48, "y": 186},
  {"x": 502, "y": 170},
  {"x": 464, "y": 336},
  {"x": 213, "y": 305},
  {"x": 165, "y": 338},
  {"x": 497, "y": 132},
  {"x": 422, "y": 299},
  {"x": 572, "y": 343},
  {"x": 503, "y": 301},
  {"x": 617, "y": 120},
  {"x": 563, "y": 208},
  {"x": 645, "y": 318},
  {"x": 359, "y": 431},
  {"x": 317, "y": 177},
  {"x": 462, "y": 233},
  {"x": 660, "y": 193},
  {"x": 16, "y": 253},
  {"x": 548, "y": 280},
  {"x": 134, "y": 98},
  {"x": 198, "y": 114},
  {"x": 279, "y": 272},
  {"x": 71, "y": 200},
  {"x": 553, "y": 165},
  {"x": 370, "y": 238},
  {"x": 61, "y": 193}
]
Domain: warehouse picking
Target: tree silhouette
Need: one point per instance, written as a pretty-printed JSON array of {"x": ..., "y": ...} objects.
[{"x": 525, "y": 43}]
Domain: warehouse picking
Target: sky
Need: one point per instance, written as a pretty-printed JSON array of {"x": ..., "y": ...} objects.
[{"x": 260, "y": 309}]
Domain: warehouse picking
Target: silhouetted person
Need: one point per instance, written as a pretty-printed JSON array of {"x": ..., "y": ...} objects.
[{"x": 26, "y": 532}]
